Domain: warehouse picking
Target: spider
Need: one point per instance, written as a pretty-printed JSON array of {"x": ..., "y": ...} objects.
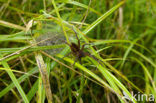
[{"x": 78, "y": 51}]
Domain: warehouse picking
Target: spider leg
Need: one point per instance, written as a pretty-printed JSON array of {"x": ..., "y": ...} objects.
[
  {"x": 66, "y": 42},
  {"x": 80, "y": 60},
  {"x": 66, "y": 55},
  {"x": 83, "y": 46},
  {"x": 92, "y": 56},
  {"x": 75, "y": 61},
  {"x": 78, "y": 40}
]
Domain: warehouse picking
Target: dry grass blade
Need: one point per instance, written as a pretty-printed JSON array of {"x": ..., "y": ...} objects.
[{"x": 44, "y": 75}]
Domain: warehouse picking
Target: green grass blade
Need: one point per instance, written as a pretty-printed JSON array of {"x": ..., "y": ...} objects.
[
  {"x": 33, "y": 90},
  {"x": 101, "y": 18},
  {"x": 20, "y": 80},
  {"x": 15, "y": 81},
  {"x": 96, "y": 77},
  {"x": 83, "y": 5}
]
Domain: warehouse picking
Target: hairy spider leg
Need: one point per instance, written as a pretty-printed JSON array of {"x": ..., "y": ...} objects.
[
  {"x": 83, "y": 46},
  {"x": 76, "y": 59},
  {"x": 78, "y": 40}
]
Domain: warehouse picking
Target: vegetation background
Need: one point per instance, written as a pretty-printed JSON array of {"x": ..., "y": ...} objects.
[{"x": 35, "y": 67}]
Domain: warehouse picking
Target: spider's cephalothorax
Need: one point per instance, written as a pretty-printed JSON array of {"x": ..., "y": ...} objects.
[{"x": 77, "y": 51}]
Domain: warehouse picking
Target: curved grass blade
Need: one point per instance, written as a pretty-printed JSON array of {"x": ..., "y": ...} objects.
[
  {"x": 83, "y": 5},
  {"x": 11, "y": 25},
  {"x": 101, "y": 18},
  {"x": 33, "y": 90},
  {"x": 20, "y": 80},
  {"x": 114, "y": 82},
  {"x": 144, "y": 57},
  {"x": 15, "y": 81},
  {"x": 99, "y": 42},
  {"x": 60, "y": 20},
  {"x": 146, "y": 73},
  {"x": 91, "y": 74}
]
